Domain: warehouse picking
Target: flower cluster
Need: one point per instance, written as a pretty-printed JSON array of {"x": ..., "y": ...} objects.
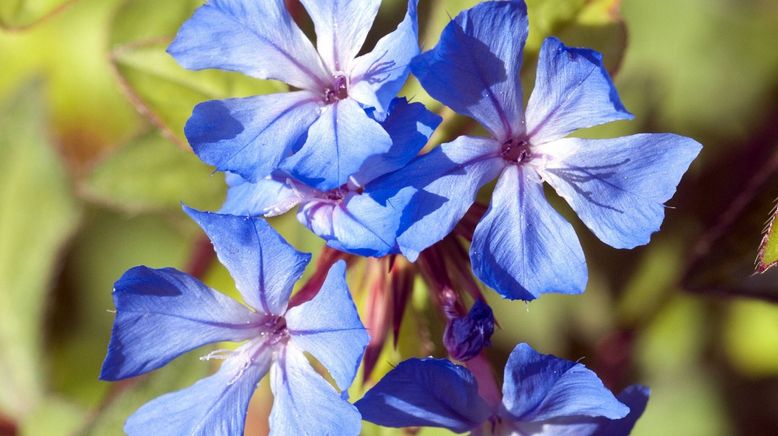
[{"x": 348, "y": 153}]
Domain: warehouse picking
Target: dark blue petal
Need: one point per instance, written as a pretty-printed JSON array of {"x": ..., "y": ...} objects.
[
  {"x": 474, "y": 69},
  {"x": 618, "y": 186},
  {"x": 251, "y": 136},
  {"x": 304, "y": 403},
  {"x": 522, "y": 247},
  {"x": 268, "y": 197},
  {"x": 425, "y": 393},
  {"x": 435, "y": 190},
  {"x": 257, "y": 38},
  {"x": 635, "y": 397},
  {"x": 357, "y": 224},
  {"x": 329, "y": 328},
  {"x": 162, "y": 313},
  {"x": 410, "y": 126},
  {"x": 338, "y": 143},
  {"x": 341, "y": 28},
  {"x": 214, "y": 406},
  {"x": 466, "y": 336},
  {"x": 539, "y": 387},
  {"x": 572, "y": 91},
  {"x": 378, "y": 76},
  {"x": 263, "y": 265}
]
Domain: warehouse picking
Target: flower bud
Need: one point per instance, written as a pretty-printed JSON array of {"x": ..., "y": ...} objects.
[{"x": 466, "y": 336}]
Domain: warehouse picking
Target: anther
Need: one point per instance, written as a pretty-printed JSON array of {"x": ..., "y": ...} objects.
[{"x": 516, "y": 150}]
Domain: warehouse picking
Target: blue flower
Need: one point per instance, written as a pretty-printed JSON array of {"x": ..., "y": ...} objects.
[
  {"x": 542, "y": 394},
  {"x": 522, "y": 247},
  {"x": 347, "y": 218},
  {"x": 320, "y": 133},
  {"x": 163, "y": 313}
]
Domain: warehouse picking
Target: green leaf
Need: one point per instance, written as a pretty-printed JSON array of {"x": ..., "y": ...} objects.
[
  {"x": 37, "y": 216},
  {"x": 54, "y": 416},
  {"x": 151, "y": 174},
  {"x": 768, "y": 248},
  {"x": 19, "y": 14},
  {"x": 159, "y": 88},
  {"x": 751, "y": 338}
]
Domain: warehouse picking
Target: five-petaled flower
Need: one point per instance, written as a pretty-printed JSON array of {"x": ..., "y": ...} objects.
[
  {"x": 522, "y": 247},
  {"x": 346, "y": 217},
  {"x": 541, "y": 395},
  {"x": 162, "y": 313},
  {"x": 320, "y": 134}
]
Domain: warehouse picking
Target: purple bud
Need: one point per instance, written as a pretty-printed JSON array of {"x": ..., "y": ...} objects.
[{"x": 466, "y": 336}]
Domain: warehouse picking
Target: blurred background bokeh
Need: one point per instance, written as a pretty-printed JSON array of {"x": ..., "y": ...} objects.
[{"x": 94, "y": 165}]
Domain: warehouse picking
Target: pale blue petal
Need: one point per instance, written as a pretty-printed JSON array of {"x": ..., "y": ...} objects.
[
  {"x": 304, "y": 403},
  {"x": 410, "y": 126},
  {"x": 357, "y": 224},
  {"x": 338, "y": 143},
  {"x": 618, "y": 187},
  {"x": 263, "y": 265},
  {"x": 214, "y": 406},
  {"x": 163, "y": 313},
  {"x": 572, "y": 91},
  {"x": 251, "y": 136},
  {"x": 378, "y": 76},
  {"x": 341, "y": 28},
  {"x": 267, "y": 197},
  {"x": 329, "y": 328},
  {"x": 257, "y": 38},
  {"x": 522, "y": 247},
  {"x": 435, "y": 190},
  {"x": 539, "y": 387},
  {"x": 426, "y": 393},
  {"x": 474, "y": 69}
]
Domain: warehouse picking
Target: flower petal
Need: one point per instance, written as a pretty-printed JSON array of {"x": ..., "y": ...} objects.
[
  {"x": 215, "y": 405},
  {"x": 357, "y": 225},
  {"x": 618, "y": 186},
  {"x": 522, "y": 247},
  {"x": 435, "y": 190},
  {"x": 572, "y": 91},
  {"x": 263, "y": 265},
  {"x": 267, "y": 197},
  {"x": 378, "y": 76},
  {"x": 257, "y": 38},
  {"x": 163, "y": 313},
  {"x": 474, "y": 69},
  {"x": 251, "y": 136},
  {"x": 539, "y": 387},
  {"x": 304, "y": 403},
  {"x": 329, "y": 328},
  {"x": 409, "y": 126},
  {"x": 635, "y": 397},
  {"x": 338, "y": 143},
  {"x": 341, "y": 28},
  {"x": 425, "y": 392}
]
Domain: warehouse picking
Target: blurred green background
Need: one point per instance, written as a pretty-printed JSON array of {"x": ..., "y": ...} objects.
[{"x": 93, "y": 165}]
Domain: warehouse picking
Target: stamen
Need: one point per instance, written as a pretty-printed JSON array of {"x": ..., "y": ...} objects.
[
  {"x": 244, "y": 366},
  {"x": 218, "y": 355}
]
